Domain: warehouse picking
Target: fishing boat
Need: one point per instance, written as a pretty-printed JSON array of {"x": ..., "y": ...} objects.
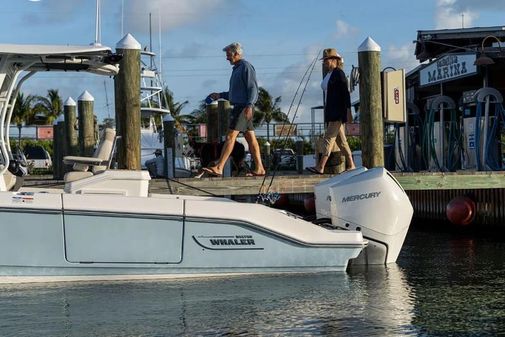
[
  {"x": 105, "y": 225},
  {"x": 153, "y": 111}
]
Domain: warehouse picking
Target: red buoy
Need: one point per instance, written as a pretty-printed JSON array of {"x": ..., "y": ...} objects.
[{"x": 460, "y": 210}]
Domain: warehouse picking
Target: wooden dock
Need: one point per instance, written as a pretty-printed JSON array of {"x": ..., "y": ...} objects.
[
  {"x": 299, "y": 184},
  {"x": 429, "y": 192}
]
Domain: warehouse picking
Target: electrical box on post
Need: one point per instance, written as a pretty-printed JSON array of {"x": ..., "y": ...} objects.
[{"x": 394, "y": 105}]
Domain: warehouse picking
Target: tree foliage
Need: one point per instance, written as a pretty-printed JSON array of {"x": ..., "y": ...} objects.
[
  {"x": 168, "y": 101},
  {"x": 267, "y": 109},
  {"x": 50, "y": 106}
]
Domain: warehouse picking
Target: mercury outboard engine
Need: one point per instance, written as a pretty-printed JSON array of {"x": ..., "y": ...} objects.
[{"x": 371, "y": 201}]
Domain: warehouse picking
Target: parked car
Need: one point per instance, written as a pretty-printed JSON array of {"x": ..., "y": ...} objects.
[
  {"x": 18, "y": 155},
  {"x": 37, "y": 157},
  {"x": 284, "y": 158}
]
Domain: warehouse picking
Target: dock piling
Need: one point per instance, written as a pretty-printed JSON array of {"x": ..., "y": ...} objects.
[
  {"x": 127, "y": 101},
  {"x": 372, "y": 135},
  {"x": 69, "y": 112},
  {"x": 169, "y": 143},
  {"x": 58, "y": 147},
  {"x": 87, "y": 141}
]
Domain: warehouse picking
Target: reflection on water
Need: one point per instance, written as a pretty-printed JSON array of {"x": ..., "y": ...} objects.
[
  {"x": 458, "y": 284},
  {"x": 441, "y": 286}
]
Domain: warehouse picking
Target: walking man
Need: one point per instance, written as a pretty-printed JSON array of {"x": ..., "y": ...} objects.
[{"x": 242, "y": 94}]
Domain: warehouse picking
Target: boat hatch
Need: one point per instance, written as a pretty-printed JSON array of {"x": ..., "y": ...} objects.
[{"x": 99, "y": 238}]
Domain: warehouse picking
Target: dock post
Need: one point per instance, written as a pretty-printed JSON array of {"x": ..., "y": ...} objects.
[
  {"x": 58, "y": 147},
  {"x": 127, "y": 102},
  {"x": 169, "y": 143},
  {"x": 299, "y": 156},
  {"x": 212, "y": 123},
  {"x": 266, "y": 153},
  {"x": 372, "y": 134},
  {"x": 69, "y": 112},
  {"x": 87, "y": 141},
  {"x": 223, "y": 110}
]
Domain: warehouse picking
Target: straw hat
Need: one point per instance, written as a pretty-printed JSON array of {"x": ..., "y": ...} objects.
[{"x": 330, "y": 53}]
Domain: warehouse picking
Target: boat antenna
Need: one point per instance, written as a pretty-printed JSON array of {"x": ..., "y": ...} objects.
[
  {"x": 159, "y": 39},
  {"x": 98, "y": 25},
  {"x": 150, "y": 35},
  {"x": 122, "y": 17},
  {"x": 266, "y": 196}
]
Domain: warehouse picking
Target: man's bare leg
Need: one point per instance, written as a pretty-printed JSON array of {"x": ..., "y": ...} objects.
[
  {"x": 254, "y": 148},
  {"x": 225, "y": 152}
]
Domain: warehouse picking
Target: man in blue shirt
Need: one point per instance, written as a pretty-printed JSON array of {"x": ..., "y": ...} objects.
[{"x": 243, "y": 93}]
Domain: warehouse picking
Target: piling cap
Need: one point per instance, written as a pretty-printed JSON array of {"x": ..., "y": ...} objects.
[
  {"x": 69, "y": 102},
  {"x": 369, "y": 45},
  {"x": 86, "y": 97},
  {"x": 128, "y": 42}
]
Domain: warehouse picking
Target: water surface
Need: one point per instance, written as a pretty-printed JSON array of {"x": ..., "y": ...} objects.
[{"x": 442, "y": 285}]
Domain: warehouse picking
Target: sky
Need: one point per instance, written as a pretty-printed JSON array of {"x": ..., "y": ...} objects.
[{"x": 279, "y": 37}]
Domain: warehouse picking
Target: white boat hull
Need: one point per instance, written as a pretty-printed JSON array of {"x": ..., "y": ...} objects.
[{"x": 69, "y": 235}]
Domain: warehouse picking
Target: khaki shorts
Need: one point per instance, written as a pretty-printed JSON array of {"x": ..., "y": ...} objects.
[
  {"x": 335, "y": 133},
  {"x": 238, "y": 121}
]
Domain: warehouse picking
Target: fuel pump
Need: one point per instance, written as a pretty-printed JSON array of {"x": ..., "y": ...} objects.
[
  {"x": 442, "y": 137},
  {"x": 489, "y": 117},
  {"x": 469, "y": 109},
  {"x": 406, "y": 136},
  {"x": 401, "y": 147}
]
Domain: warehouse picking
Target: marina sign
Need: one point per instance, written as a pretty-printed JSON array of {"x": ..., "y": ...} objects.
[{"x": 448, "y": 68}]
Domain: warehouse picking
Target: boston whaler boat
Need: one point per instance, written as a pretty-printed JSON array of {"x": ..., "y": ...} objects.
[{"x": 105, "y": 225}]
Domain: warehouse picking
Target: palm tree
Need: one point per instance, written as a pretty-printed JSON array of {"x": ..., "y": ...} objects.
[
  {"x": 23, "y": 112},
  {"x": 199, "y": 115},
  {"x": 268, "y": 109},
  {"x": 50, "y": 106},
  {"x": 167, "y": 100}
]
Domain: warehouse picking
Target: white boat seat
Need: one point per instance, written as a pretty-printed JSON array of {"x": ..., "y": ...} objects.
[{"x": 84, "y": 167}]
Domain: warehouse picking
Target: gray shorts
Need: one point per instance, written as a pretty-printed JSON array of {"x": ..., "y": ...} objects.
[{"x": 238, "y": 122}]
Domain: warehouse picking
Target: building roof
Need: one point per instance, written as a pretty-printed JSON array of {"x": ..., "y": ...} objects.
[{"x": 432, "y": 43}]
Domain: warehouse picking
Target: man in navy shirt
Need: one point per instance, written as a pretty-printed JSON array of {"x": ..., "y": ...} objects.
[{"x": 243, "y": 93}]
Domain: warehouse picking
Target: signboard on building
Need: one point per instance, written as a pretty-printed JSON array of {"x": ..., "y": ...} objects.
[
  {"x": 285, "y": 130},
  {"x": 448, "y": 68},
  {"x": 45, "y": 132}
]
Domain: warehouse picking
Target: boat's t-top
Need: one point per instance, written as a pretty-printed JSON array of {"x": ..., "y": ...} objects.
[{"x": 16, "y": 59}]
